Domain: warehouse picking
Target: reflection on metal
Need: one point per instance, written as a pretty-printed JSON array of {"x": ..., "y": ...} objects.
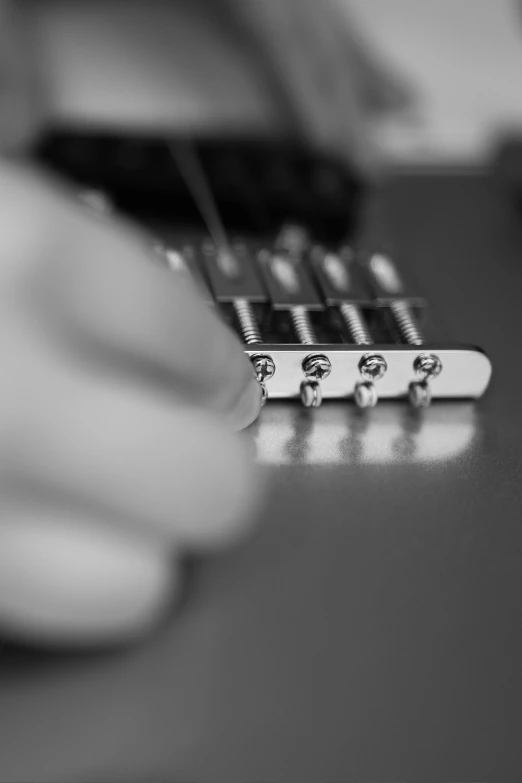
[
  {"x": 341, "y": 435},
  {"x": 337, "y": 273},
  {"x": 176, "y": 262},
  {"x": 386, "y": 274},
  {"x": 466, "y": 375},
  {"x": 228, "y": 264},
  {"x": 285, "y": 273}
]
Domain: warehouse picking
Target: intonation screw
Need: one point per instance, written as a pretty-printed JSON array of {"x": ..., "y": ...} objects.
[
  {"x": 316, "y": 367},
  {"x": 420, "y": 394},
  {"x": 263, "y": 364},
  {"x": 303, "y": 325},
  {"x": 406, "y": 323},
  {"x": 247, "y": 321},
  {"x": 426, "y": 366},
  {"x": 372, "y": 366},
  {"x": 355, "y": 323}
]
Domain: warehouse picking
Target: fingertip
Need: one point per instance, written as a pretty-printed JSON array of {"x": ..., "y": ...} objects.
[{"x": 247, "y": 407}]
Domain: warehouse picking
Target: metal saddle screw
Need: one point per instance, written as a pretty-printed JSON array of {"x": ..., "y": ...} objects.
[
  {"x": 316, "y": 367},
  {"x": 426, "y": 366},
  {"x": 263, "y": 364},
  {"x": 372, "y": 366}
]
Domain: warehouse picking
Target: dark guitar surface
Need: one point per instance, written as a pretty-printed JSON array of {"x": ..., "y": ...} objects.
[{"x": 370, "y": 629}]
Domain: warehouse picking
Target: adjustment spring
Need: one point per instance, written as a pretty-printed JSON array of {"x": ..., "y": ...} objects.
[
  {"x": 247, "y": 321},
  {"x": 355, "y": 322},
  {"x": 303, "y": 325},
  {"x": 263, "y": 364},
  {"x": 406, "y": 325}
]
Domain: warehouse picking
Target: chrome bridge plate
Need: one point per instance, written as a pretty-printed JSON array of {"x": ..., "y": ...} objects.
[{"x": 465, "y": 375}]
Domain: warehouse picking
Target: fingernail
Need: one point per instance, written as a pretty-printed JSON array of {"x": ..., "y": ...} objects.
[{"x": 248, "y": 406}]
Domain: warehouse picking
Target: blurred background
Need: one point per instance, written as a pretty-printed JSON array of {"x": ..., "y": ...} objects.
[{"x": 465, "y": 57}]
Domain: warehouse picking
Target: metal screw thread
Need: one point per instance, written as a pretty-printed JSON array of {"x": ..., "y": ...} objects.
[
  {"x": 406, "y": 324},
  {"x": 355, "y": 322},
  {"x": 247, "y": 322},
  {"x": 303, "y": 325}
]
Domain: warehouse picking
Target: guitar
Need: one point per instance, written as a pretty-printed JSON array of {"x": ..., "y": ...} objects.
[{"x": 320, "y": 317}]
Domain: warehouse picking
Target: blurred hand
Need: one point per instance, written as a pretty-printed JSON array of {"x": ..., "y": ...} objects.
[
  {"x": 120, "y": 388},
  {"x": 120, "y": 393}
]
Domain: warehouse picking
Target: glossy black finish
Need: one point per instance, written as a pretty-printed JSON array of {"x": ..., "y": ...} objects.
[
  {"x": 258, "y": 183},
  {"x": 371, "y": 628}
]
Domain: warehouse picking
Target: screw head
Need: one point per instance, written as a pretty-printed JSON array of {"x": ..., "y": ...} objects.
[
  {"x": 419, "y": 394},
  {"x": 427, "y": 365},
  {"x": 372, "y": 367},
  {"x": 365, "y": 395},
  {"x": 294, "y": 239},
  {"x": 264, "y": 366},
  {"x": 317, "y": 367},
  {"x": 311, "y": 394}
]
